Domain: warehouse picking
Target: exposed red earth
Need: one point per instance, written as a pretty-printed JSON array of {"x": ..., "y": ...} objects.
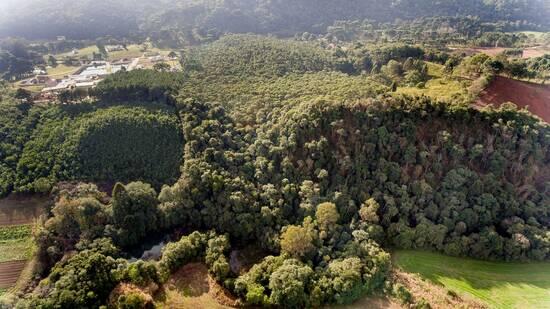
[{"x": 535, "y": 97}]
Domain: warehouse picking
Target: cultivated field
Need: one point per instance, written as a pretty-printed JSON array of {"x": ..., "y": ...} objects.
[
  {"x": 17, "y": 214},
  {"x": 498, "y": 284},
  {"x": 535, "y": 96},
  {"x": 9, "y": 273}
]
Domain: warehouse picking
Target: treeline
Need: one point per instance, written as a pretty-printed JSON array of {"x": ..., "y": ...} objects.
[
  {"x": 17, "y": 123},
  {"x": 138, "y": 86},
  {"x": 249, "y": 55},
  {"x": 438, "y": 31}
]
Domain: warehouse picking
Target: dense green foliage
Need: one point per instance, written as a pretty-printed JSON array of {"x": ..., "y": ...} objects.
[
  {"x": 83, "y": 280},
  {"x": 116, "y": 143},
  {"x": 138, "y": 86},
  {"x": 438, "y": 31},
  {"x": 15, "y": 232},
  {"x": 247, "y": 55},
  {"x": 303, "y": 150},
  {"x": 16, "y": 125}
]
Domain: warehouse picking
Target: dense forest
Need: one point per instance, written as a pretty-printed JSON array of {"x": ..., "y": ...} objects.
[
  {"x": 46, "y": 145},
  {"x": 321, "y": 136},
  {"x": 308, "y": 153},
  {"x": 200, "y": 20}
]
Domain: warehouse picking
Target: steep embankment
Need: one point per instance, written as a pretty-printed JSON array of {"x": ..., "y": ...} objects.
[{"x": 535, "y": 96}]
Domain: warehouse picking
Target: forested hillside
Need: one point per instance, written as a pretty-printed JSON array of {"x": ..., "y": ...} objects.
[
  {"x": 199, "y": 20},
  {"x": 46, "y": 145},
  {"x": 288, "y": 169}
]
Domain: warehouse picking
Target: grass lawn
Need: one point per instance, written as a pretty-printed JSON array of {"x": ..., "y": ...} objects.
[
  {"x": 134, "y": 51},
  {"x": 498, "y": 284},
  {"x": 61, "y": 70},
  {"x": 86, "y": 51}
]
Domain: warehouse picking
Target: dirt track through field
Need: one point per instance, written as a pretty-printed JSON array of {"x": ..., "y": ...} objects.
[
  {"x": 9, "y": 273},
  {"x": 502, "y": 89}
]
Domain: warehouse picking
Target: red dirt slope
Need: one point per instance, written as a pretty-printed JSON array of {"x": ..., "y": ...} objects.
[{"x": 502, "y": 89}]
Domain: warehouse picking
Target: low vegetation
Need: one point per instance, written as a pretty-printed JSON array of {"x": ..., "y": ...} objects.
[
  {"x": 16, "y": 243},
  {"x": 497, "y": 284}
]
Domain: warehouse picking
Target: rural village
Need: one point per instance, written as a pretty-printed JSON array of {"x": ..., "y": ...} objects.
[{"x": 89, "y": 70}]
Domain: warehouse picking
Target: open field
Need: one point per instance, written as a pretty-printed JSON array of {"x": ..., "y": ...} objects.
[
  {"x": 438, "y": 87},
  {"x": 502, "y": 89},
  {"x": 17, "y": 213},
  {"x": 86, "y": 51},
  {"x": 528, "y": 52},
  {"x": 15, "y": 243},
  {"x": 498, "y": 284},
  {"x": 135, "y": 51},
  {"x": 61, "y": 70}
]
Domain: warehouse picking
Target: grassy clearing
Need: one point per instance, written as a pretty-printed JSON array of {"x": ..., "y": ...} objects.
[
  {"x": 438, "y": 87},
  {"x": 86, "y": 51},
  {"x": 498, "y": 284},
  {"x": 61, "y": 70},
  {"x": 191, "y": 287},
  {"x": 16, "y": 249},
  {"x": 135, "y": 51},
  {"x": 16, "y": 243}
]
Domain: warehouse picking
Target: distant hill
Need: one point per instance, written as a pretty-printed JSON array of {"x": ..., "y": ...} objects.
[{"x": 88, "y": 19}]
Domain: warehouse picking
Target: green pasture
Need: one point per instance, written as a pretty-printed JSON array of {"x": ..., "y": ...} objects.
[{"x": 498, "y": 284}]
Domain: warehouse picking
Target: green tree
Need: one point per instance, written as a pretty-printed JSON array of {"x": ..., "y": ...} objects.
[
  {"x": 327, "y": 215},
  {"x": 135, "y": 211},
  {"x": 297, "y": 241}
]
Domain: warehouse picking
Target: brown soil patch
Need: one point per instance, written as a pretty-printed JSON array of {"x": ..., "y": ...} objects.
[
  {"x": 9, "y": 273},
  {"x": 18, "y": 210},
  {"x": 529, "y": 52},
  {"x": 192, "y": 287},
  {"x": 126, "y": 289},
  {"x": 437, "y": 296},
  {"x": 535, "y": 52},
  {"x": 534, "y": 96}
]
